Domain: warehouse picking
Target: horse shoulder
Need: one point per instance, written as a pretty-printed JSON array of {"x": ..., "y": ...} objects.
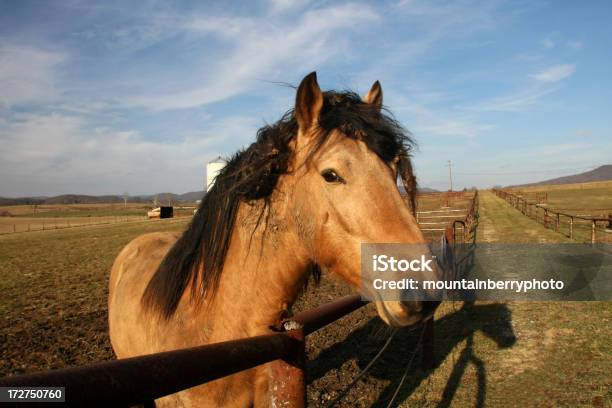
[
  {"x": 130, "y": 274},
  {"x": 142, "y": 251}
]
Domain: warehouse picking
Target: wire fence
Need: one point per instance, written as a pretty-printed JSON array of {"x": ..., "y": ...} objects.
[{"x": 18, "y": 225}]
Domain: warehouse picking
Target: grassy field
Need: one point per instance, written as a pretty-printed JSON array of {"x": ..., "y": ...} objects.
[
  {"x": 593, "y": 199},
  {"x": 572, "y": 186},
  {"x": 53, "y": 314},
  {"x": 589, "y": 200},
  {"x": 83, "y": 210},
  {"x": 54, "y": 290},
  {"x": 26, "y": 218}
]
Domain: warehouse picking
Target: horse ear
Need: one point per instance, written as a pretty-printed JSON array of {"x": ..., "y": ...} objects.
[
  {"x": 375, "y": 96},
  {"x": 308, "y": 102}
]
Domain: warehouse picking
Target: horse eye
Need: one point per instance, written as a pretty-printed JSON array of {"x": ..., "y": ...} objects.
[{"x": 331, "y": 176}]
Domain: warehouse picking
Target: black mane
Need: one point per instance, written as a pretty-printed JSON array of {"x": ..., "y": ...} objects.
[{"x": 251, "y": 174}]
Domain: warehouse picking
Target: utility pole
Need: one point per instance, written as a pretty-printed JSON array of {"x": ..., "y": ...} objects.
[{"x": 450, "y": 175}]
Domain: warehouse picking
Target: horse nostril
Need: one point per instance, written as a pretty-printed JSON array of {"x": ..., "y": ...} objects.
[
  {"x": 430, "y": 306},
  {"x": 412, "y": 307}
]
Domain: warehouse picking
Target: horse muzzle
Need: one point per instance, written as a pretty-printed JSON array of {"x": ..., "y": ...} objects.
[{"x": 405, "y": 314}]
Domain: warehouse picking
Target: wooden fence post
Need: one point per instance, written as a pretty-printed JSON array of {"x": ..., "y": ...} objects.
[
  {"x": 571, "y": 231},
  {"x": 593, "y": 227}
]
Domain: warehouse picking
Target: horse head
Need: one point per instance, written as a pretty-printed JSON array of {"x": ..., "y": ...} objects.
[{"x": 348, "y": 155}]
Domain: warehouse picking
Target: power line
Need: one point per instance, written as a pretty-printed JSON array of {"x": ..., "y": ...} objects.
[{"x": 450, "y": 175}]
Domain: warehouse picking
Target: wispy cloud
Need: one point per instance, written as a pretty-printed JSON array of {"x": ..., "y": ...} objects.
[
  {"x": 95, "y": 97},
  {"x": 258, "y": 51},
  {"x": 55, "y": 153},
  {"x": 513, "y": 102},
  {"x": 286, "y": 5},
  {"x": 542, "y": 83},
  {"x": 454, "y": 127},
  {"x": 548, "y": 43},
  {"x": 27, "y": 74},
  {"x": 555, "y": 73}
]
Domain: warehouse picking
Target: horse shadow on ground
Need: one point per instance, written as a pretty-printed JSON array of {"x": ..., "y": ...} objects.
[{"x": 493, "y": 320}]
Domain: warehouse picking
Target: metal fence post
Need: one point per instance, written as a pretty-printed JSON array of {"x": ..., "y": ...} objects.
[
  {"x": 428, "y": 360},
  {"x": 287, "y": 383}
]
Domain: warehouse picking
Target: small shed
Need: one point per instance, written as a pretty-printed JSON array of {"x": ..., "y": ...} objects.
[
  {"x": 166, "y": 212},
  {"x": 161, "y": 212}
]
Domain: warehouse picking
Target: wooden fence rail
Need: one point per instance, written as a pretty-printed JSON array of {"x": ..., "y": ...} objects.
[{"x": 551, "y": 218}]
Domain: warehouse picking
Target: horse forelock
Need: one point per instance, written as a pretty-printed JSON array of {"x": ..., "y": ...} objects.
[{"x": 198, "y": 257}]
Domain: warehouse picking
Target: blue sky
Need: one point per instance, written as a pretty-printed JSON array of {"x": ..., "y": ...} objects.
[{"x": 107, "y": 97}]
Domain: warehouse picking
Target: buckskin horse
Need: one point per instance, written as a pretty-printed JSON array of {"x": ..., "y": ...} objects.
[{"x": 301, "y": 198}]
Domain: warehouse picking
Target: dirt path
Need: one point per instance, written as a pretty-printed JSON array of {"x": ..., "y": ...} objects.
[{"x": 499, "y": 222}]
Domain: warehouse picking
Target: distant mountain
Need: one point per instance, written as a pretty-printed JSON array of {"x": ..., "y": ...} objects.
[
  {"x": 419, "y": 189},
  {"x": 601, "y": 173},
  {"x": 192, "y": 196},
  {"x": 82, "y": 199},
  {"x": 163, "y": 198},
  {"x": 427, "y": 190},
  {"x": 22, "y": 200}
]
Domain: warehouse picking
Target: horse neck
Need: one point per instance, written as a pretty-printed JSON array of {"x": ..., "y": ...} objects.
[{"x": 263, "y": 273}]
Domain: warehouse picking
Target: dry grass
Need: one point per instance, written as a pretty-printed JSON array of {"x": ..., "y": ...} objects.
[
  {"x": 573, "y": 186},
  {"x": 581, "y": 199},
  {"x": 53, "y": 314},
  {"x": 84, "y": 210},
  {"x": 26, "y": 218},
  {"x": 54, "y": 290},
  {"x": 591, "y": 199}
]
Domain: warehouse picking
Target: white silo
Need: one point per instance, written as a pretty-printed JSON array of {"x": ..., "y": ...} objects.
[{"x": 213, "y": 168}]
